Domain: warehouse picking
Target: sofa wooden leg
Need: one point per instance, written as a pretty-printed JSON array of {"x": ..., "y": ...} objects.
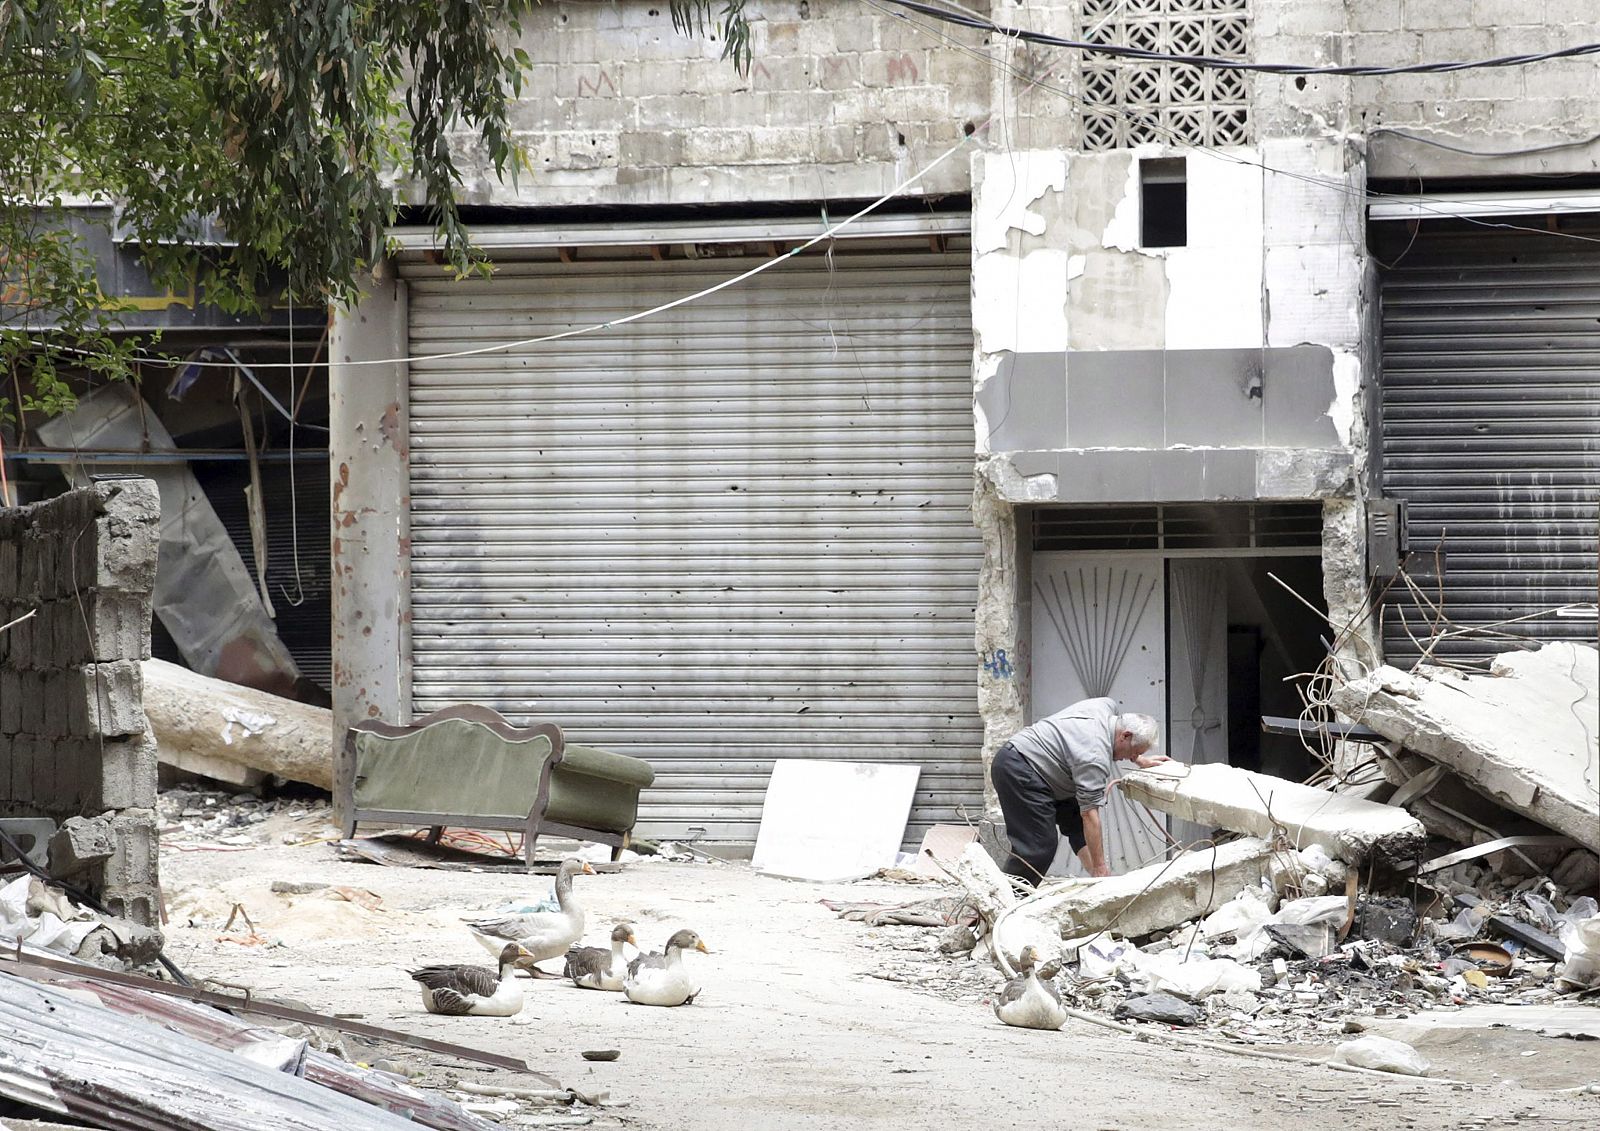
[{"x": 616, "y": 852}]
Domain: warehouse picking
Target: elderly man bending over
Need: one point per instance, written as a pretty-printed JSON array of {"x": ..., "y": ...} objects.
[{"x": 1054, "y": 776}]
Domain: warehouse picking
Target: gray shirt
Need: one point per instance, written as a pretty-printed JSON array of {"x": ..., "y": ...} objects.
[{"x": 1072, "y": 750}]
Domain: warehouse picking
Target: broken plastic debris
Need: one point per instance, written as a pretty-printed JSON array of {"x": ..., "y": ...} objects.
[
  {"x": 1582, "y": 940},
  {"x": 1161, "y": 1008}
]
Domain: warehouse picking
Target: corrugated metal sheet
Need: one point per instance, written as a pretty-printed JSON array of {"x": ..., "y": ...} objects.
[
  {"x": 1491, "y": 432},
  {"x": 735, "y": 532}
]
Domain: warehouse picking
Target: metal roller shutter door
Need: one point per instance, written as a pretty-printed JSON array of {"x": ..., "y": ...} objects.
[
  {"x": 1491, "y": 431},
  {"x": 733, "y": 532}
]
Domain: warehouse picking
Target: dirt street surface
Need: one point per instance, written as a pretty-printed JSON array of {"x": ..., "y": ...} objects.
[{"x": 792, "y": 1029}]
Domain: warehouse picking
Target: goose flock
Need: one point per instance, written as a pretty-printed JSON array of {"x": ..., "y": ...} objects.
[{"x": 524, "y": 936}]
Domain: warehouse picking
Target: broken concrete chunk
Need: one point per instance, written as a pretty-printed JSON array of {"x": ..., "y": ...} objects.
[
  {"x": 1163, "y": 1008},
  {"x": 1578, "y": 871},
  {"x": 1526, "y": 735},
  {"x": 79, "y": 843},
  {"x": 1220, "y": 795},
  {"x": 1154, "y": 898},
  {"x": 1392, "y": 921},
  {"x": 126, "y": 941}
]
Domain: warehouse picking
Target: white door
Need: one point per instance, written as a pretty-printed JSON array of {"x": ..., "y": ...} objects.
[
  {"x": 1197, "y": 658},
  {"x": 1098, "y": 628}
]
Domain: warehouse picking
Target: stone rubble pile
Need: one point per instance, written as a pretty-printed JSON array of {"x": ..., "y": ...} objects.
[
  {"x": 234, "y": 819},
  {"x": 1230, "y": 974}
]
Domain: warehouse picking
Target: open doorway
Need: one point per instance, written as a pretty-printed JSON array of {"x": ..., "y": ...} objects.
[{"x": 1201, "y": 615}]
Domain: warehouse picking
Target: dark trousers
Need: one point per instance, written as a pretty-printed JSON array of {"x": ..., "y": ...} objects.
[{"x": 1035, "y": 820}]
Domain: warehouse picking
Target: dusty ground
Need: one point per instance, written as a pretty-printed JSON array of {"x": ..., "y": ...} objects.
[{"x": 792, "y": 1030}]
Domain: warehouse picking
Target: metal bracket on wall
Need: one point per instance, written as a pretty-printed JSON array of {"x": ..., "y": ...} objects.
[{"x": 1386, "y": 536}]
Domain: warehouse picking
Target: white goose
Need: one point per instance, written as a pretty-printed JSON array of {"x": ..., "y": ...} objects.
[
  {"x": 542, "y": 934},
  {"x": 595, "y": 967},
  {"x": 473, "y": 991},
  {"x": 660, "y": 979},
  {"x": 1026, "y": 1001}
]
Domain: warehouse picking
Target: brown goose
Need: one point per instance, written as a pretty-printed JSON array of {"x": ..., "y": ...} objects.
[
  {"x": 476, "y": 991},
  {"x": 1027, "y": 1001},
  {"x": 595, "y": 967},
  {"x": 660, "y": 979}
]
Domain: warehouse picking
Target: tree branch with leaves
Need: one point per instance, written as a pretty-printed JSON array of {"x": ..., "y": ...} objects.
[{"x": 292, "y": 122}]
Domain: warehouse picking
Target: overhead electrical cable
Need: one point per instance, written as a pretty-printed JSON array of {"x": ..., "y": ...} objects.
[
  {"x": 1444, "y": 211},
  {"x": 1222, "y": 63},
  {"x": 967, "y": 18}
]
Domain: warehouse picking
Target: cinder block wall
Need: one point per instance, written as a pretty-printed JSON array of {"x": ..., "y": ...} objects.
[
  {"x": 841, "y": 101},
  {"x": 74, "y": 740}
]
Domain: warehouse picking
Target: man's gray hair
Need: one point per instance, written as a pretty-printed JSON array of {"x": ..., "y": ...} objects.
[{"x": 1145, "y": 730}]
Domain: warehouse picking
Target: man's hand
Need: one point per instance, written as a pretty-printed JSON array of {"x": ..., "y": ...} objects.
[
  {"x": 1145, "y": 761},
  {"x": 1100, "y": 872}
]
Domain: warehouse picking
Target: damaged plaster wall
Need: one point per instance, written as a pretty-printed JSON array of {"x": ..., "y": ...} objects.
[
  {"x": 369, "y": 449},
  {"x": 1230, "y": 368},
  {"x": 74, "y": 741}
]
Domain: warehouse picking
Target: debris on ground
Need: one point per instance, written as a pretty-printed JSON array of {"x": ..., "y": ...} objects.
[
  {"x": 33, "y": 912},
  {"x": 1335, "y": 913},
  {"x": 119, "y": 1057}
]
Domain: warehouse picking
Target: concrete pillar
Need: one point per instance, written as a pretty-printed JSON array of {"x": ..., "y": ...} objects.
[
  {"x": 369, "y": 452},
  {"x": 999, "y": 632}
]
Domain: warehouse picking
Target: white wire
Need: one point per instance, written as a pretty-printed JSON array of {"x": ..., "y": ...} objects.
[
  {"x": 766, "y": 265},
  {"x": 1331, "y": 184}
]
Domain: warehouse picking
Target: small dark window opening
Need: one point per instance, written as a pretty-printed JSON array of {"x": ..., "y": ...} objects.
[{"x": 1163, "y": 203}]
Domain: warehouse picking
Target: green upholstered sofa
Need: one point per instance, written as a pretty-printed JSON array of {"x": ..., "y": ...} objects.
[{"x": 467, "y": 767}]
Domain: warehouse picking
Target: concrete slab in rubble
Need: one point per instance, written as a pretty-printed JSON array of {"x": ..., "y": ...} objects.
[
  {"x": 1526, "y": 735},
  {"x": 1157, "y": 896},
  {"x": 1222, "y": 796}
]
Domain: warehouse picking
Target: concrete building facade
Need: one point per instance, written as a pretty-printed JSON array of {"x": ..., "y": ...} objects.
[{"x": 1170, "y": 287}]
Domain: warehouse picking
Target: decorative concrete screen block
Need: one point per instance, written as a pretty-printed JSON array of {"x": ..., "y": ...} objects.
[{"x": 1128, "y": 102}]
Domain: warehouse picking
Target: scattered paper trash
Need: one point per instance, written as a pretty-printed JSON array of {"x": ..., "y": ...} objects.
[
  {"x": 55, "y": 925},
  {"x": 1198, "y": 977}
]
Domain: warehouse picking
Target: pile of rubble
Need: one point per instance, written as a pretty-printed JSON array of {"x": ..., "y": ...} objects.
[
  {"x": 1320, "y": 912},
  {"x": 237, "y": 819}
]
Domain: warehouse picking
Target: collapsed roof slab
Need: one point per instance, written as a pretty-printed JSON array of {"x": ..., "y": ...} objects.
[
  {"x": 1219, "y": 795},
  {"x": 1526, "y": 735}
]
